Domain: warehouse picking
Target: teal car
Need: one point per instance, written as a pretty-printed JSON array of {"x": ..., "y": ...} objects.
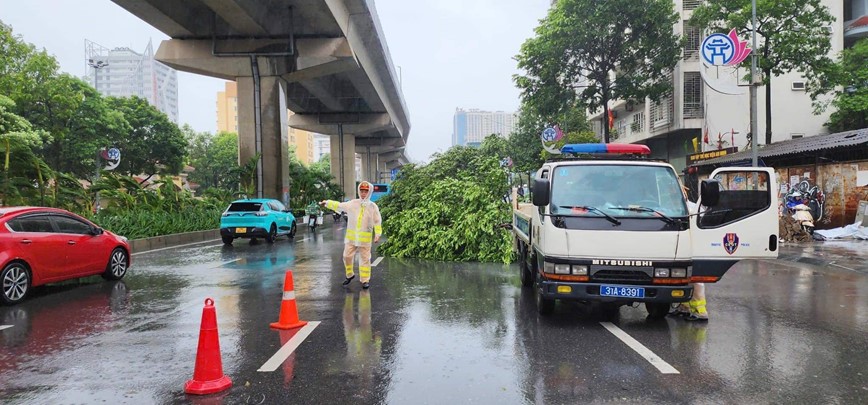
[{"x": 256, "y": 218}]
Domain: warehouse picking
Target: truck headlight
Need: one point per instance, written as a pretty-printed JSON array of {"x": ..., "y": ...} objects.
[
  {"x": 658, "y": 272},
  {"x": 580, "y": 270},
  {"x": 548, "y": 267},
  {"x": 562, "y": 269},
  {"x": 681, "y": 273}
]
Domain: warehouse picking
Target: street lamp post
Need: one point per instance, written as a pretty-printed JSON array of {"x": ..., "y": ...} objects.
[
  {"x": 96, "y": 65},
  {"x": 753, "y": 84}
]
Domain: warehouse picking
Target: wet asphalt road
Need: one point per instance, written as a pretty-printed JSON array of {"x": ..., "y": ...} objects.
[{"x": 426, "y": 332}]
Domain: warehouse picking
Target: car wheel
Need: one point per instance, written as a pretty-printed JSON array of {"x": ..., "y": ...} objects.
[
  {"x": 116, "y": 268},
  {"x": 272, "y": 234},
  {"x": 14, "y": 282},
  {"x": 227, "y": 240},
  {"x": 657, "y": 310},
  {"x": 292, "y": 230}
]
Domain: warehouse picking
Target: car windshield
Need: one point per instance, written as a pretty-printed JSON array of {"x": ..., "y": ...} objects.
[
  {"x": 244, "y": 207},
  {"x": 617, "y": 190}
]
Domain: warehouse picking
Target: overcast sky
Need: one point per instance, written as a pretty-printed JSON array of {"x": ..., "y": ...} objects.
[{"x": 451, "y": 53}]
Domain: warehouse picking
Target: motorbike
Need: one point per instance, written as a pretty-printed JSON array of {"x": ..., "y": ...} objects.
[
  {"x": 337, "y": 216},
  {"x": 313, "y": 220},
  {"x": 803, "y": 214}
]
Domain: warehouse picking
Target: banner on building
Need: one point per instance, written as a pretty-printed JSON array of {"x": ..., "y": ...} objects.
[{"x": 699, "y": 157}]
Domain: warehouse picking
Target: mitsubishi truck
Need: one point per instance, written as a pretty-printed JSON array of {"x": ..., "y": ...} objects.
[{"x": 610, "y": 226}]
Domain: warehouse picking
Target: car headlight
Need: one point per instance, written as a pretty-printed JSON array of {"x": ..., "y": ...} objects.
[
  {"x": 562, "y": 269},
  {"x": 658, "y": 272},
  {"x": 580, "y": 270},
  {"x": 681, "y": 273},
  {"x": 548, "y": 267}
]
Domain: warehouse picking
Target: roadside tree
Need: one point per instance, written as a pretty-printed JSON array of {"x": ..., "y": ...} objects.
[
  {"x": 848, "y": 82},
  {"x": 792, "y": 35},
  {"x": 589, "y": 52},
  {"x": 154, "y": 144}
]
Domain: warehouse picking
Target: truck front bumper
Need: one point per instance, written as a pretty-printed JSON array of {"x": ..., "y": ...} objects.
[{"x": 591, "y": 292}]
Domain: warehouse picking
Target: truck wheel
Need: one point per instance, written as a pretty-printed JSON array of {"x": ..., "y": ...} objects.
[
  {"x": 657, "y": 310},
  {"x": 523, "y": 268},
  {"x": 545, "y": 306}
]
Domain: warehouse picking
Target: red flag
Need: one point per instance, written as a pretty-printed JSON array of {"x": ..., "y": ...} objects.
[
  {"x": 705, "y": 140},
  {"x": 611, "y": 120}
]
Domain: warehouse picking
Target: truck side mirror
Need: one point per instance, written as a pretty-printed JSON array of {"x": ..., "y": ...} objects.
[
  {"x": 540, "y": 192},
  {"x": 709, "y": 193}
]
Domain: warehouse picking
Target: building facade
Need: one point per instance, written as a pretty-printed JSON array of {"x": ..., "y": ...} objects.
[
  {"x": 696, "y": 117},
  {"x": 470, "y": 127},
  {"x": 227, "y": 108},
  {"x": 123, "y": 72},
  {"x": 322, "y": 145}
]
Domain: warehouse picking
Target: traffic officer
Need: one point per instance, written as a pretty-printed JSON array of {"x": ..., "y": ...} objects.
[{"x": 364, "y": 224}]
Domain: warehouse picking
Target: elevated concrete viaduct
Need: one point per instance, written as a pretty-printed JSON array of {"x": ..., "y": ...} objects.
[{"x": 325, "y": 60}]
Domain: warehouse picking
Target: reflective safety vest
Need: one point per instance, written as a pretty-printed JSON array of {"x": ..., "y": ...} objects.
[{"x": 363, "y": 220}]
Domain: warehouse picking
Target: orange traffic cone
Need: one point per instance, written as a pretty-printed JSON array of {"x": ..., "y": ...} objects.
[
  {"x": 208, "y": 376},
  {"x": 288, "y": 312}
]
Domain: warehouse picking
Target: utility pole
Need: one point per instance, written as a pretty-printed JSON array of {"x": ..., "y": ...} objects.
[{"x": 753, "y": 85}]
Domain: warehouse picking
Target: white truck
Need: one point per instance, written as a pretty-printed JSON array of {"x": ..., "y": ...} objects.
[{"x": 613, "y": 227}]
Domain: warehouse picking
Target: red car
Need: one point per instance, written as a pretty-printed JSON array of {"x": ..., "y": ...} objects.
[{"x": 45, "y": 245}]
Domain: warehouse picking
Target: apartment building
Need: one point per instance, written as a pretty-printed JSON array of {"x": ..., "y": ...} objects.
[{"x": 677, "y": 125}]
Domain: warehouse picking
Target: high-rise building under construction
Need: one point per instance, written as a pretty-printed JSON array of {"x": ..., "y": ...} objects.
[{"x": 123, "y": 72}]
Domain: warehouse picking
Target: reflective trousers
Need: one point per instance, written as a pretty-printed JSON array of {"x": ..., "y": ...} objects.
[
  {"x": 364, "y": 261},
  {"x": 697, "y": 303}
]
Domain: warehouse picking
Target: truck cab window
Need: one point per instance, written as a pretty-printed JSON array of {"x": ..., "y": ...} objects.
[
  {"x": 616, "y": 190},
  {"x": 742, "y": 194}
]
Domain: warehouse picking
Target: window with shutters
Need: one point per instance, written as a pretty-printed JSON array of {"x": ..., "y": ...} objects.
[
  {"x": 691, "y": 4},
  {"x": 692, "y": 39},
  {"x": 692, "y": 95}
]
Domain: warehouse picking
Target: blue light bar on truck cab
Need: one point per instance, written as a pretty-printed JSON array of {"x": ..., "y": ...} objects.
[{"x": 618, "y": 148}]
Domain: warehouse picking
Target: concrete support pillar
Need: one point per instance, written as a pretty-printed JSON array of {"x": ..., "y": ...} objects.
[
  {"x": 274, "y": 142},
  {"x": 382, "y": 171},
  {"x": 369, "y": 165},
  {"x": 343, "y": 149}
]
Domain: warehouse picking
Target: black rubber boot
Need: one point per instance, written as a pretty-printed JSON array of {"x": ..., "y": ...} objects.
[
  {"x": 366, "y": 285},
  {"x": 347, "y": 281}
]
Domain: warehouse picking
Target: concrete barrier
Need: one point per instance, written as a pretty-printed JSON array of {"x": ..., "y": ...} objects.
[{"x": 159, "y": 242}]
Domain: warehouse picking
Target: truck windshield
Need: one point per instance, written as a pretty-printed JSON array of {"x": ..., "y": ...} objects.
[{"x": 614, "y": 189}]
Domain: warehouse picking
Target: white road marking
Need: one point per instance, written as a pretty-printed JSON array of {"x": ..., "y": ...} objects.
[
  {"x": 275, "y": 361},
  {"x": 643, "y": 351},
  {"x": 301, "y": 240},
  {"x": 172, "y": 247},
  {"x": 229, "y": 262},
  {"x": 843, "y": 267},
  {"x": 5, "y": 326},
  {"x": 376, "y": 262}
]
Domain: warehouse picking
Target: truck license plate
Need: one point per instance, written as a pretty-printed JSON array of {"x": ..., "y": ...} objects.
[
  {"x": 621, "y": 291},
  {"x": 240, "y": 230}
]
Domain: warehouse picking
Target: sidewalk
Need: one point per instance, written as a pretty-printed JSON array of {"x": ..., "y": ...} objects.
[{"x": 846, "y": 254}]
